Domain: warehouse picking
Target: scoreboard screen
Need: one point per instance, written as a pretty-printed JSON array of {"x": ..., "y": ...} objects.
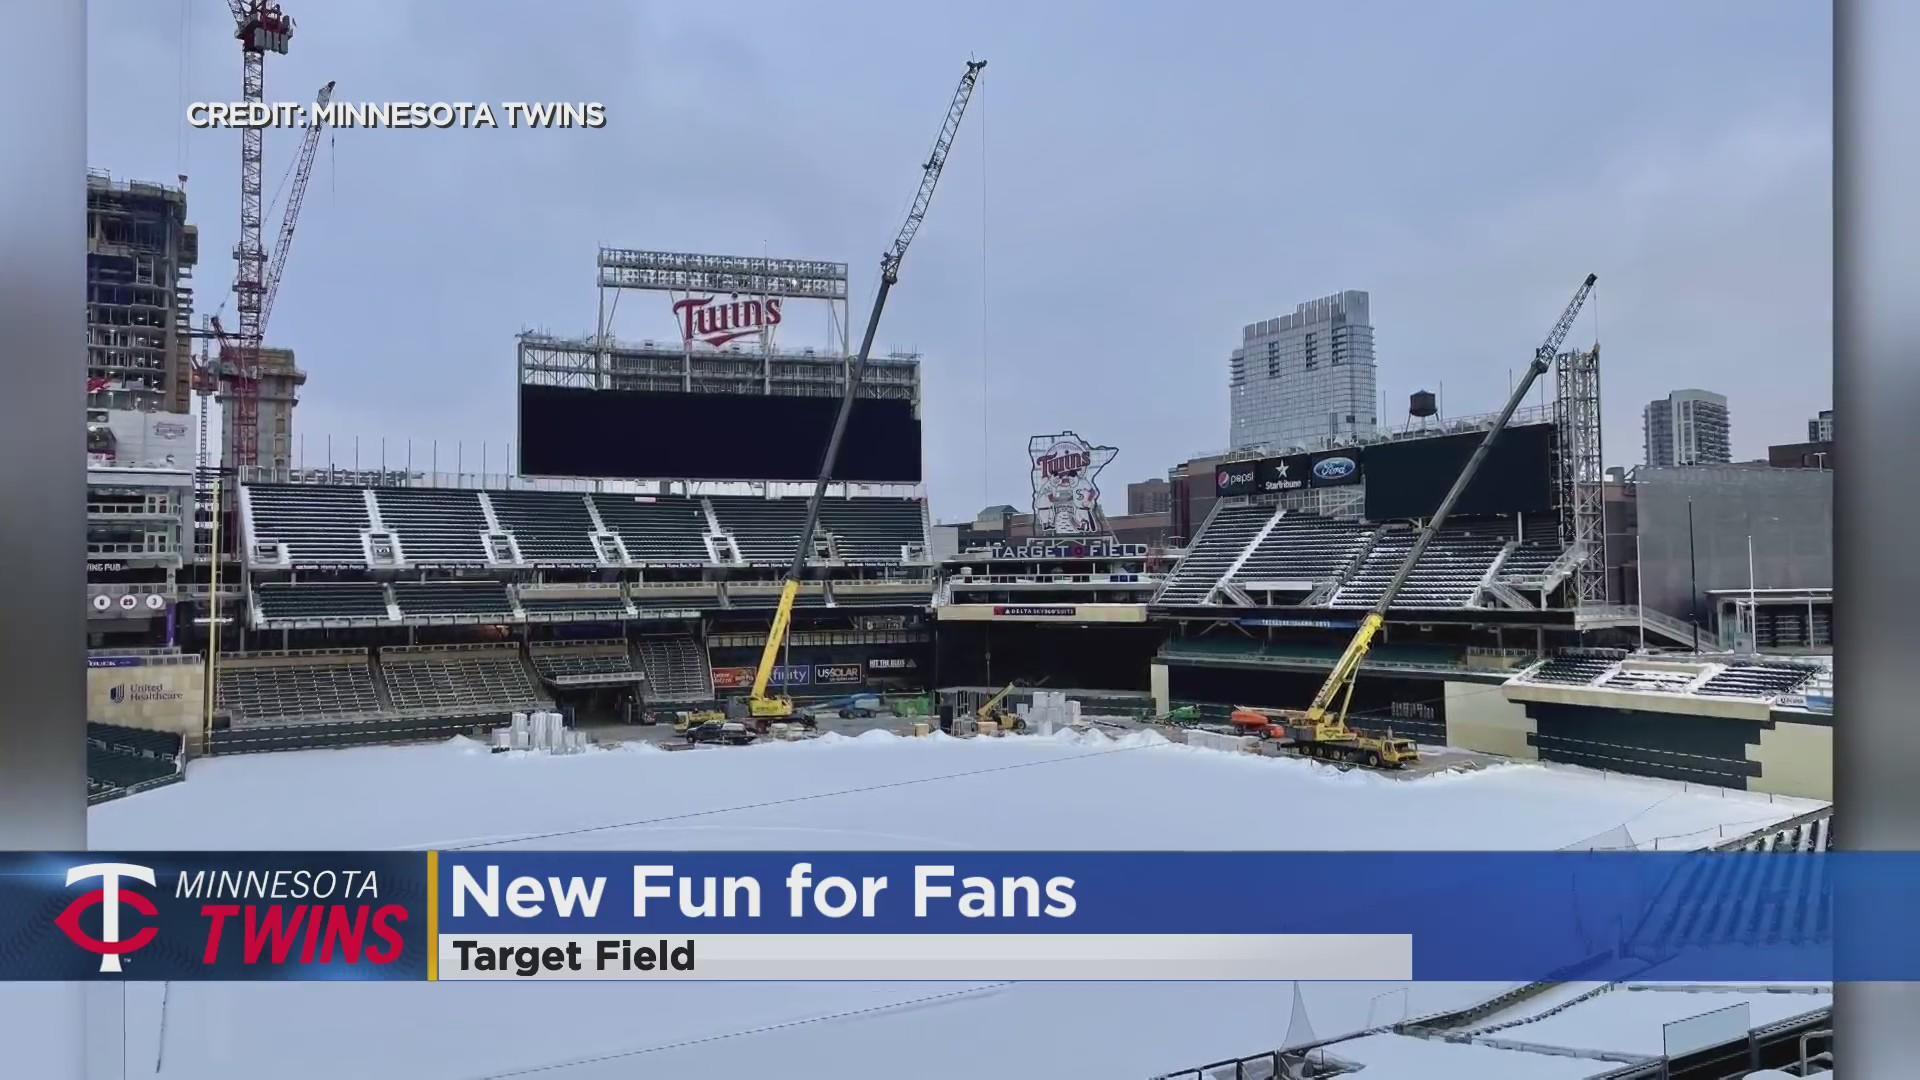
[{"x": 569, "y": 431}]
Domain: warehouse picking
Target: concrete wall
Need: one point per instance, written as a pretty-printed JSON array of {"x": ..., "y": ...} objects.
[
  {"x": 136, "y": 692},
  {"x": 1795, "y": 759},
  {"x": 1788, "y": 512},
  {"x": 1479, "y": 717}
]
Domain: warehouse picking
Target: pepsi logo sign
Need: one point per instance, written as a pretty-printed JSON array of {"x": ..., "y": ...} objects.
[{"x": 1334, "y": 468}]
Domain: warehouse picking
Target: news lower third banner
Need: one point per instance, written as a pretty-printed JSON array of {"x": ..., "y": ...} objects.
[{"x": 953, "y": 916}]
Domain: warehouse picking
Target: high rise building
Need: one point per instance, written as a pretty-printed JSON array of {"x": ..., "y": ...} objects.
[
  {"x": 1687, "y": 427},
  {"x": 1149, "y": 497},
  {"x": 140, "y": 258},
  {"x": 1306, "y": 379},
  {"x": 280, "y": 383},
  {"x": 1820, "y": 428}
]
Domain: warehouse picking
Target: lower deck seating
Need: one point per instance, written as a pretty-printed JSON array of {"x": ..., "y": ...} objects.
[
  {"x": 676, "y": 668},
  {"x": 460, "y": 680},
  {"x": 1572, "y": 670},
  {"x": 298, "y": 686},
  {"x": 585, "y": 662}
]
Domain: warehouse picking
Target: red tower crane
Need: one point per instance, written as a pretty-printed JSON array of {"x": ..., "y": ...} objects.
[{"x": 261, "y": 28}]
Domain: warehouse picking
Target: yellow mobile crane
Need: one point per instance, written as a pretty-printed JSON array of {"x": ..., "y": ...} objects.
[
  {"x": 1320, "y": 730},
  {"x": 760, "y": 705}
]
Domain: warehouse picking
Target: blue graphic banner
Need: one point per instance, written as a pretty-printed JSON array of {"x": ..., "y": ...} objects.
[{"x": 1433, "y": 916}]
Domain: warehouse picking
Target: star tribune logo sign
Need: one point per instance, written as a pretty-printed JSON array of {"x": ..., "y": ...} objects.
[{"x": 110, "y": 898}]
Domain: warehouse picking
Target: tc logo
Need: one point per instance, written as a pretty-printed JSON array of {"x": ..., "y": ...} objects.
[{"x": 109, "y": 945}]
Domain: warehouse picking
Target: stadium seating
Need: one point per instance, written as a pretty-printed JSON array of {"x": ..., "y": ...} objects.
[
  {"x": 321, "y": 526},
  {"x": 606, "y": 604},
  {"x": 1447, "y": 576},
  {"x": 458, "y": 680},
  {"x": 112, "y": 773},
  {"x": 676, "y": 668},
  {"x": 657, "y": 528},
  {"x": 872, "y": 530},
  {"x": 436, "y": 526},
  {"x": 764, "y": 597},
  {"x": 1755, "y": 680},
  {"x": 1208, "y": 558},
  {"x": 143, "y": 742},
  {"x": 1572, "y": 670},
  {"x": 661, "y": 600},
  {"x": 1304, "y": 547},
  {"x": 1650, "y": 679},
  {"x": 549, "y": 527},
  {"x": 453, "y": 599},
  {"x": 584, "y": 663},
  {"x": 764, "y": 530},
  {"x": 1538, "y": 548},
  {"x": 278, "y": 688},
  {"x": 279, "y": 601},
  {"x": 916, "y": 594}
]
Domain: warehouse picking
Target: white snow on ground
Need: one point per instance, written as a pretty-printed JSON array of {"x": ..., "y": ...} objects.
[
  {"x": 875, "y": 791},
  {"x": 1629, "y": 1021}
]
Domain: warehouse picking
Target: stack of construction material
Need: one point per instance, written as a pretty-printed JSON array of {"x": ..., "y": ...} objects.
[
  {"x": 539, "y": 731},
  {"x": 1050, "y": 710},
  {"x": 1215, "y": 740}
]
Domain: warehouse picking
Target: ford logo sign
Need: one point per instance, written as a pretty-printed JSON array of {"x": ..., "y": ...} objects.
[{"x": 1334, "y": 468}]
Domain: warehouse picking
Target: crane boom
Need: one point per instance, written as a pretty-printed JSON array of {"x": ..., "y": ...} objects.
[
  {"x": 758, "y": 701},
  {"x": 302, "y": 172},
  {"x": 1341, "y": 678}
]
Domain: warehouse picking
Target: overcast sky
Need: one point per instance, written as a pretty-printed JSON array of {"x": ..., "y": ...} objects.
[{"x": 1133, "y": 183}]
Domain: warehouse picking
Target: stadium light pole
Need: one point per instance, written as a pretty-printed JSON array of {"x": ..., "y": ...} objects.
[
  {"x": 1639, "y": 591},
  {"x": 1693, "y": 582}
]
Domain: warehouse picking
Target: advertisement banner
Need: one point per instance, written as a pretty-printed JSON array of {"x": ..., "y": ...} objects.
[
  {"x": 1289, "y": 473},
  {"x": 1335, "y": 468},
  {"x": 832, "y": 674},
  {"x": 1234, "y": 478},
  {"x": 893, "y": 663},
  {"x": 790, "y": 675},
  {"x": 130, "y": 691},
  {"x": 732, "y": 678}
]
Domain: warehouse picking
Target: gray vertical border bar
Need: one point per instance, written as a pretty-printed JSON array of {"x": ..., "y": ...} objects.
[
  {"x": 1876, "y": 323},
  {"x": 43, "y": 787},
  {"x": 43, "y": 482}
]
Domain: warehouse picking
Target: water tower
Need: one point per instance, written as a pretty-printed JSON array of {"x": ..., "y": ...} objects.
[{"x": 1422, "y": 407}]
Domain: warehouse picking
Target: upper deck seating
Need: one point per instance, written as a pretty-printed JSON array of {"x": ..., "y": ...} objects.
[{"x": 321, "y": 526}]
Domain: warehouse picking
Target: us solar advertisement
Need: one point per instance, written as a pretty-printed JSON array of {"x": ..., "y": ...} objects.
[{"x": 902, "y": 916}]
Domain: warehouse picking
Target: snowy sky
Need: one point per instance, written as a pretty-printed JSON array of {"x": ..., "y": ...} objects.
[{"x": 1132, "y": 185}]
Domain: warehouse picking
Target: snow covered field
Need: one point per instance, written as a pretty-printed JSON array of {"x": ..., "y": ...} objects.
[{"x": 876, "y": 791}]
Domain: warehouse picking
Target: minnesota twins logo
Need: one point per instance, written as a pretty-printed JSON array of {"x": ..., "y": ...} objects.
[{"x": 1066, "y": 501}]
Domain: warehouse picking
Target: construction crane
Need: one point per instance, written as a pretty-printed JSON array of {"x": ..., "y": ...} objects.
[
  {"x": 759, "y": 704},
  {"x": 261, "y": 28},
  {"x": 1320, "y": 730},
  {"x": 239, "y": 367}
]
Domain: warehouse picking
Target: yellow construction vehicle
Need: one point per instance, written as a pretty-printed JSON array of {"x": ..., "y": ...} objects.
[
  {"x": 993, "y": 710},
  {"x": 1320, "y": 730},
  {"x": 762, "y": 707}
]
